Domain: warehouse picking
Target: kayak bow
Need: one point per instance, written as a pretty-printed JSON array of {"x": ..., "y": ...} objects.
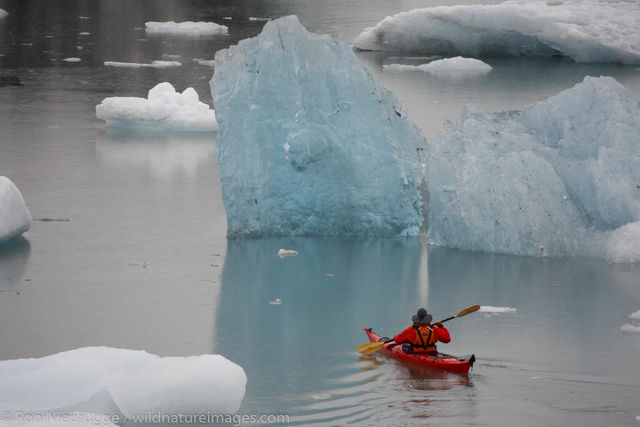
[{"x": 459, "y": 365}]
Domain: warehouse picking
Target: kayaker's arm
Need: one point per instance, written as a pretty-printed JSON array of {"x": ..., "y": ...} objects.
[
  {"x": 407, "y": 335},
  {"x": 442, "y": 334}
]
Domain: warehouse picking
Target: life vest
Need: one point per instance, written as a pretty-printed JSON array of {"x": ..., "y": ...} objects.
[{"x": 425, "y": 340}]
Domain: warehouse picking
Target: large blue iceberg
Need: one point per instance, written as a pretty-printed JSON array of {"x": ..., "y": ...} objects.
[
  {"x": 309, "y": 143},
  {"x": 559, "y": 178}
]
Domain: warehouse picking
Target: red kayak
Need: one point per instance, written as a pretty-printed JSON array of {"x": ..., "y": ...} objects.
[{"x": 459, "y": 365}]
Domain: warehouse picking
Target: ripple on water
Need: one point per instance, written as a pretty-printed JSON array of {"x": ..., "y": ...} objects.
[{"x": 378, "y": 391}]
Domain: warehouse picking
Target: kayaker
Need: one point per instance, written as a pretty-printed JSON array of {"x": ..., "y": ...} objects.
[{"x": 421, "y": 337}]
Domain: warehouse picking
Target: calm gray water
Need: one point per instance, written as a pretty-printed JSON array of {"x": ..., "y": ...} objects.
[{"x": 132, "y": 250}]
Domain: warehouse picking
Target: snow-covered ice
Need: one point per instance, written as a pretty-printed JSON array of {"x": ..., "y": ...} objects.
[
  {"x": 559, "y": 178},
  {"x": 103, "y": 380},
  {"x": 447, "y": 66},
  {"x": 188, "y": 28},
  {"x": 164, "y": 109},
  {"x": 310, "y": 143},
  {"x": 585, "y": 30},
  {"x": 153, "y": 64},
  {"x": 15, "y": 217}
]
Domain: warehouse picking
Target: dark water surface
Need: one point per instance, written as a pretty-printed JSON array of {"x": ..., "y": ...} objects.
[{"x": 128, "y": 248}]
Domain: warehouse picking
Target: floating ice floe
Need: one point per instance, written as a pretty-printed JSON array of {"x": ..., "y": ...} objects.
[
  {"x": 72, "y": 59},
  {"x": 258, "y": 19},
  {"x": 164, "y": 109},
  {"x": 276, "y": 301},
  {"x": 207, "y": 62},
  {"x": 490, "y": 310},
  {"x": 119, "y": 382},
  {"x": 153, "y": 64},
  {"x": 310, "y": 143},
  {"x": 15, "y": 217},
  {"x": 3, "y": 13},
  {"x": 447, "y": 66},
  {"x": 188, "y": 28},
  {"x": 585, "y": 30},
  {"x": 287, "y": 252},
  {"x": 559, "y": 178},
  {"x": 634, "y": 324},
  {"x": 630, "y": 329}
]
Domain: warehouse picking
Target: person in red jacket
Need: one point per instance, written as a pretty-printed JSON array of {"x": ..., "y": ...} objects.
[{"x": 421, "y": 337}]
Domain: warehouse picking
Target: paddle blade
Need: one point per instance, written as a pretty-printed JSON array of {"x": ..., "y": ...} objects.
[
  {"x": 371, "y": 347},
  {"x": 468, "y": 310}
]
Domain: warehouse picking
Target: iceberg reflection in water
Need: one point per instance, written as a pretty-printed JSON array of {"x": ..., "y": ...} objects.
[
  {"x": 300, "y": 355},
  {"x": 14, "y": 256}
]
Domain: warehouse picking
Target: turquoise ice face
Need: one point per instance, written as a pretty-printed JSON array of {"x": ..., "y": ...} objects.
[{"x": 310, "y": 143}]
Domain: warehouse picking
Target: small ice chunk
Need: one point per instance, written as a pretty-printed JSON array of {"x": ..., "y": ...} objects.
[
  {"x": 628, "y": 328},
  {"x": 84, "y": 33},
  {"x": 258, "y": 19},
  {"x": 15, "y": 217},
  {"x": 153, "y": 64},
  {"x": 72, "y": 59},
  {"x": 276, "y": 301},
  {"x": 634, "y": 324},
  {"x": 457, "y": 65},
  {"x": 164, "y": 109},
  {"x": 287, "y": 252},
  {"x": 188, "y": 28},
  {"x": 134, "y": 383},
  {"x": 3, "y": 13},
  {"x": 322, "y": 396},
  {"x": 207, "y": 62},
  {"x": 490, "y": 310}
]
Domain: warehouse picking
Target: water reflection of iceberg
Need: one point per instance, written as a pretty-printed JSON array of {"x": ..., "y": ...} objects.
[
  {"x": 327, "y": 291},
  {"x": 164, "y": 155},
  {"x": 14, "y": 256}
]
